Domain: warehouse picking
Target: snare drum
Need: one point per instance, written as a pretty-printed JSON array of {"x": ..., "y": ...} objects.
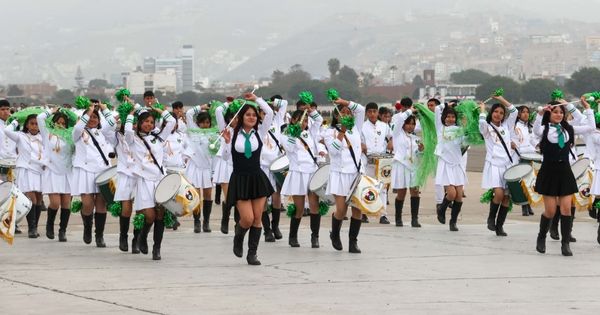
[
  {"x": 365, "y": 195},
  {"x": 383, "y": 166},
  {"x": 7, "y": 168},
  {"x": 177, "y": 195},
  {"x": 107, "y": 183},
  {"x": 582, "y": 199},
  {"x": 318, "y": 184},
  {"x": 22, "y": 203},
  {"x": 279, "y": 168},
  {"x": 516, "y": 178}
]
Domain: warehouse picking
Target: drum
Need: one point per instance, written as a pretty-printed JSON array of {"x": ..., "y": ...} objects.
[
  {"x": 318, "y": 184},
  {"x": 365, "y": 195},
  {"x": 279, "y": 168},
  {"x": 533, "y": 159},
  {"x": 7, "y": 168},
  {"x": 177, "y": 195},
  {"x": 22, "y": 204},
  {"x": 383, "y": 166},
  {"x": 107, "y": 183},
  {"x": 176, "y": 170},
  {"x": 582, "y": 199},
  {"x": 516, "y": 179}
]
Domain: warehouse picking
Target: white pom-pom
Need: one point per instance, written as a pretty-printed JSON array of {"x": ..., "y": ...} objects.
[{"x": 212, "y": 146}]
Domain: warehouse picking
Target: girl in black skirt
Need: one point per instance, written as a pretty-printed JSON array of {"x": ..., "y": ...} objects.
[
  {"x": 555, "y": 180},
  {"x": 249, "y": 186}
]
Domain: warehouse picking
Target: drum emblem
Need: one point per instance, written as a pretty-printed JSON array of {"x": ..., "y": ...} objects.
[
  {"x": 386, "y": 172},
  {"x": 188, "y": 195},
  {"x": 369, "y": 195}
]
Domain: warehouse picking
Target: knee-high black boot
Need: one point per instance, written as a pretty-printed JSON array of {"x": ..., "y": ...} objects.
[
  {"x": 100, "y": 221},
  {"x": 525, "y": 210},
  {"x": 142, "y": 243},
  {"x": 593, "y": 212},
  {"x": 502, "y": 213},
  {"x": 353, "y": 236},
  {"x": 218, "y": 194},
  {"x": 414, "y": 211},
  {"x": 253, "y": 240},
  {"x": 315, "y": 226},
  {"x": 197, "y": 225},
  {"x": 573, "y": 239},
  {"x": 456, "y": 206},
  {"x": 238, "y": 240},
  {"x": 225, "y": 219},
  {"x": 530, "y": 210},
  {"x": 441, "y": 211},
  {"x": 566, "y": 223},
  {"x": 134, "y": 241},
  {"x": 541, "y": 238},
  {"x": 31, "y": 224},
  {"x": 159, "y": 230},
  {"x": 334, "y": 235},
  {"x": 293, "y": 237},
  {"x": 65, "y": 214},
  {"x": 276, "y": 214},
  {"x": 266, "y": 222},
  {"x": 554, "y": 225},
  {"x": 123, "y": 231},
  {"x": 88, "y": 222},
  {"x": 399, "y": 204},
  {"x": 50, "y": 222},
  {"x": 206, "y": 210},
  {"x": 491, "y": 220},
  {"x": 38, "y": 212},
  {"x": 236, "y": 215}
]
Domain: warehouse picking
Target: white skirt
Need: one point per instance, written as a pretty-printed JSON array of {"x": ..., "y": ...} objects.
[
  {"x": 28, "y": 180},
  {"x": 125, "y": 189},
  {"x": 340, "y": 183},
  {"x": 296, "y": 184},
  {"x": 449, "y": 175},
  {"x": 402, "y": 176},
  {"x": 493, "y": 176},
  {"x": 222, "y": 171},
  {"x": 83, "y": 182},
  {"x": 595, "y": 189},
  {"x": 144, "y": 194},
  {"x": 199, "y": 177},
  {"x": 270, "y": 176},
  {"x": 54, "y": 183}
]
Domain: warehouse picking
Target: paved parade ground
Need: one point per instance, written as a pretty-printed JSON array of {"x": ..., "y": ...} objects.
[{"x": 400, "y": 271}]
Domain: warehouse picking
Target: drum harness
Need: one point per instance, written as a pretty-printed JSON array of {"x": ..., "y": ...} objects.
[
  {"x": 351, "y": 152},
  {"x": 309, "y": 151},
  {"x": 98, "y": 147},
  {"x": 504, "y": 144},
  {"x": 276, "y": 142},
  {"x": 150, "y": 151}
]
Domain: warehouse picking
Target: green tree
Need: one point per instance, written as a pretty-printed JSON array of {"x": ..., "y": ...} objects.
[
  {"x": 63, "y": 97},
  {"x": 204, "y": 98},
  {"x": 348, "y": 75},
  {"x": 334, "y": 66},
  {"x": 538, "y": 90},
  {"x": 512, "y": 89},
  {"x": 470, "y": 76},
  {"x": 98, "y": 83},
  {"x": 366, "y": 79},
  {"x": 14, "y": 90},
  {"x": 583, "y": 81}
]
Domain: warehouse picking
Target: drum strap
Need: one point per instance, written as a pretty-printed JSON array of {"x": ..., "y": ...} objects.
[
  {"x": 152, "y": 155},
  {"x": 309, "y": 151},
  {"x": 276, "y": 142},
  {"x": 352, "y": 154},
  {"x": 98, "y": 147},
  {"x": 503, "y": 143}
]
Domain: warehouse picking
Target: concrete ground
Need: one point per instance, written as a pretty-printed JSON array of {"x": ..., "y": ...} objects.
[{"x": 401, "y": 271}]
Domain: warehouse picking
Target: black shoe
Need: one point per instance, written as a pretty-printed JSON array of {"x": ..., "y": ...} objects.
[
  {"x": 31, "y": 222},
  {"x": 398, "y": 205},
  {"x": 276, "y": 215},
  {"x": 156, "y": 252},
  {"x": 502, "y": 213},
  {"x": 441, "y": 211},
  {"x": 123, "y": 230},
  {"x": 65, "y": 214},
  {"x": 491, "y": 220},
  {"x": 334, "y": 235},
  {"x": 566, "y": 224},
  {"x": 314, "y": 242},
  {"x": 364, "y": 218},
  {"x": 218, "y": 194},
  {"x": 315, "y": 226},
  {"x": 598, "y": 237},
  {"x": 206, "y": 210},
  {"x": 524, "y": 211},
  {"x": 62, "y": 236},
  {"x": 414, "y": 211},
  {"x": 50, "y": 223},
  {"x": 142, "y": 242},
  {"x": 17, "y": 230},
  {"x": 541, "y": 239},
  {"x": 238, "y": 241},
  {"x": 266, "y": 223},
  {"x": 225, "y": 219},
  {"x": 384, "y": 220},
  {"x": 530, "y": 210},
  {"x": 353, "y": 236},
  {"x": 100, "y": 222},
  {"x": 134, "y": 242},
  {"x": 176, "y": 224},
  {"x": 197, "y": 226},
  {"x": 123, "y": 243},
  {"x": 269, "y": 237},
  {"x": 456, "y": 207},
  {"x": 88, "y": 221},
  {"x": 253, "y": 239},
  {"x": 293, "y": 237}
]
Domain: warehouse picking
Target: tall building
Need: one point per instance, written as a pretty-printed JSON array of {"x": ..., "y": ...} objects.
[{"x": 187, "y": 67}]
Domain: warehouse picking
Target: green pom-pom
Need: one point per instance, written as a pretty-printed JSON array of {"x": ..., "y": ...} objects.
[
  {"x": 499, "y": 92},
  {"x": 108, "y": 104},
  {"x": 124, "y": 109},
  {"x": 235, "y": 106},
  {"x": 169, "y": 219},
  {"x": 532, "y": 116},
  {"x": 487, "y": 196},
  {"x": 22, "y": 115},
  {"x": 597, "y": 117},
  {"x": 597, "y": 205},
  {"x": 348, "y": 122},
  {"x": 294, "y": 130},
  {"x": 155, "y": 113},
  {"x": 269, "y": 208},
  {"x": 76, "y": 206},
  {"x": 115, "y": 209},
  {"x": 557, "y": 95},
  {"x": 138, "y": 221},
  {"x": 323, "y": 208},
  {"x": 333, "y": 95},
  {"x": 120, "y": 95},
  {"x": 306, "y": 97},
  {"x": 70, "y": 115},
  {"x": 291, "y": 210},
  {"x": 212, "y": 111},
  {"x": 82, "y": 102}
]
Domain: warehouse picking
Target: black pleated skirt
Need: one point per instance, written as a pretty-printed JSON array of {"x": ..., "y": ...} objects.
[
  {"x": 555, "y": 179},
  {"x": 248, "y": 187}
]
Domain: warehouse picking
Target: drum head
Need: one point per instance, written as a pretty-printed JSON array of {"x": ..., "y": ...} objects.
[
  {"x": 517, "y": 172},
  {"x": 580, "y": 167},
  {"x": 531, "y": 157},
  {"x": 320, "y": 177},
  {"x": 280, "y": 163},
  {"x": 106, "y": 175},
  {"x": 5, "y": 190},
  {"x": 167, "y": 188}
]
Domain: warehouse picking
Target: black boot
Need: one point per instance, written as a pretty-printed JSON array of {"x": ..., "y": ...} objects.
[
  {"x": 225, "y": 219},
  {"x": 123, "y": 230},
  {"x": 238, "y": 240},
  {"x": 100, "y": 221},
  {"x": 218, "y": 194},
  {"x": 50, "y": 223},
  {"x": 441, "y": 211},
  {"x": 598, "y": 237},
  {"x": 491, "y": 220},
  {"x": 353, "y": 236},
  {"x": 414, "y": 211},
  {"x": 31, "y": 224},
  {"x": 293, "y": 237},
  {"x": 253, "y": 240},
  {"x": 134, "y": 242},
  {"x": 554, "y": 226},
  {"x": 65, "y": 214},
  {"x": 573, "y": 239},
  {"x": 399, "y": 204},
  {"x": 566, "y": 223},
  {"x": 530, "y": 210},
  {"x": 197, "y": 226},
  {"x": 159, "y": 230},
  {"x": 541, "y": 239},
  {"x": 502, "y": 213},
  {"x": 315, "y": 225},
  {"x": 142, "y": 243},
  {"x": 206, "y": 210},
  {"x": 334, "y": 235},
  {"x": 276, "y": 214},
  {"x": 38, "y": 212},
  {"x": 88, "y": 222},
  {"x": 456, "y": 206},
  {"x": 236, "y": 215},
  {"x": 524, "y": 210},
  {"x": 266, "y": 222},
  {"x": 593, "y": 212},
  {"x": 364, "y": 218}
]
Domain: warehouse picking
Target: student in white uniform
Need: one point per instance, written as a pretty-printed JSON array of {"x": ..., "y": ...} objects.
[
  {"x": 8, "y": 148},
  {"x": 56, "y": 177},
  {"x": 524, "y": 142},
  {"x": 92, "y": 157},
  {"x": 344, "y": 148},
  {"x": 222, "y": 168},
  {"x": 594, "y": 139},
  {"x": 147, "y": 146},
  {"x": 495, "y": 128},
  {"x": 439, "y": 189}
]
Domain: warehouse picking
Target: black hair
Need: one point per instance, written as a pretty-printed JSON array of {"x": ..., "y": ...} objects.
[
  {"x": 412, "y": 119},
  {"x": 30, "y": 117},
  {"x": 243, "y": 111},
  {"x": 97, "y": 113},
  {"x": 520, "y": 110},
  {"x": 314, "y": 104},
  {"x": 335, "y": 114},
  {"x": 435, "y": 100},
  {"x": 177, "y": 104},
  {"x": 59, "y": 115},
  {"x": 300, "y": 103},
  {"x": 494, "y": 107},
  {"x": 406, "y": 102},
  {"x": 93, "y": 100},
  {"x": 275, "y": 97},
  {"x": 297, "y": 114},
  {"x": 202, "y": 116},
  {"x": 148, "y": 94},
  {"x": 563, "y": 123},
  {"x": 384, "y": 110},
  {"x": 449, "y": 110},
  {"x": 143, "y": 116},
  {"x": 4, "y": 103},
  {"x": 371, "y": 105}
]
